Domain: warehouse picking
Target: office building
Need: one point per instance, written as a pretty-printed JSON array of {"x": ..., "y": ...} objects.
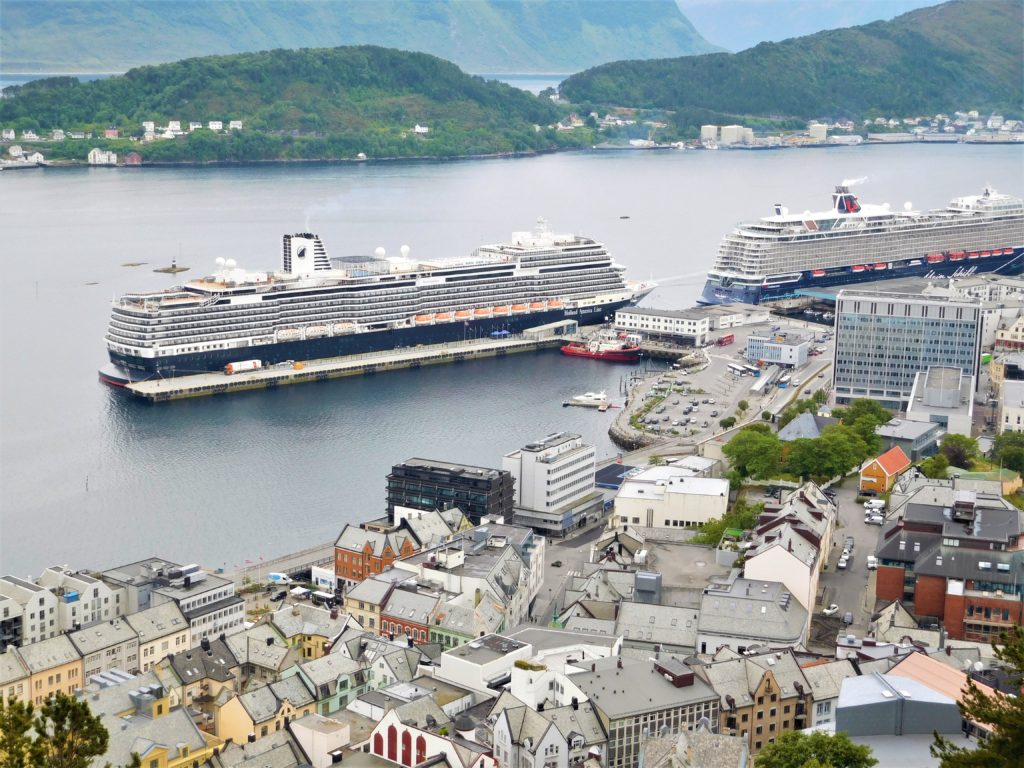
[
  {"x": 943, "y": 395},
  {"x": 429, "y": 484},
  {"x": 786, "y": 349},
  {"x": 883, "y": 340}
]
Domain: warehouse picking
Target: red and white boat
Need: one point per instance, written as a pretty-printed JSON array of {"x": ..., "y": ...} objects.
[{"x": 608, "y": 348}]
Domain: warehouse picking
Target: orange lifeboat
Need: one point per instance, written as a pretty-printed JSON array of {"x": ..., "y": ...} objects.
[
  {"x": 463, "y": 314},
  {"x": 499, "y": 311},
  {"x": 482, "y": 312},
  {"x": 423, "y": 319},
  {"x": 554, "y": 304},
  {"x": 519, "y": 309},
  {"x": 537, "y": 306},
  {"x": 443, "y": 317}
]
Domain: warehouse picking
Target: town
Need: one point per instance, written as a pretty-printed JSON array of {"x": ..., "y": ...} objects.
[{"x": 836, "y": 556}]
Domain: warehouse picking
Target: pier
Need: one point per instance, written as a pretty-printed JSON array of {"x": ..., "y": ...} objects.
[{"x": 218, "y": 383}]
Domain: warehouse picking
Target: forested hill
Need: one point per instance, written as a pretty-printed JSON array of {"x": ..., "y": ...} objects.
[
  {"x": 310, "y": 104},
  {"x": 966, "y": 54},
  {"x": 515, "y": 36}
]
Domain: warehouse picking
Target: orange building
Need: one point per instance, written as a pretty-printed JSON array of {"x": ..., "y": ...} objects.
[
  {"x": 360, "y": 553},
  {"x": 880, "y": 473}
]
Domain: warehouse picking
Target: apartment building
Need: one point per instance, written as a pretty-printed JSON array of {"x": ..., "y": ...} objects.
[
  {"x": 429, "y": 484},
  {"x": 81, "y": 599},
  {"x": 670, "y": 497},
  {"x": 28, "y": 612},
  {"x": 162, "y": 630},
  {"x": 54, "y": 666},
  {"x": 103, "y": 647}
]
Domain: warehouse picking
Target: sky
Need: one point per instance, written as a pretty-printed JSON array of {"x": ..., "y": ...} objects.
[{"x": 739, "y": 24}]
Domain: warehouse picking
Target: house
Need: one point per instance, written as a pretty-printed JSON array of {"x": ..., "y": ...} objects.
[
  {"x": 263, "y": 710},
  {"x": 81, "y": 600},
  {"x": 669, "y": 496},
  {"x": 407, "y": 613},
  {"x": 56, "y": 135},
  {"x": 762, "y": 696},
  {"x": 54, "y": 666},
  {"x": 1011, "y": 407},
  {"x": 133, "y": 158},
  {"x": 360, "y": 553},
  {"x": 235, "y": 125},
  {"x": 309, "y": 629},
  {"x": 263, "y": 654},
  {"x": 402, "y": 744},
  {"x": 99, "y": 156},
  {"x": 215, "y": 125},
  {"x": 826, "y": 680},
  {"x": 36, "y": 157},
  {"x": 103, "y": 647},
  {"x": 29, "y": 612},
  {"x": 15, "y": 151},
  {"x": 364, "y": 601},
  {"x": 162, "y": 629},
  {"x": 148, "y": 126},
  {"x": 111, "y": 133},
  {"x": 194, "y": 678},
  {"x": 559, "y": 736},
  {"x": 8, "y": 134},
  {"x": 806, "y": 426},
  {"x": 171, "y": 740},
  {"x": 14, "y": 678},
  {"x": 174, "y": 126},
  {"x": 321, "y": 739},
  {"x": 878, "y": 474},
  {"x": 335, "y": 680},
  {"x": 421, "y": 130},
  {"x": 194, "y": 126}
]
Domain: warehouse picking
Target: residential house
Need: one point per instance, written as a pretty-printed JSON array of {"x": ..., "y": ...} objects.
[
  {"x": 29, "y": 612},
  {"x": 174, "y": 126},
  {"x": 321, "y": 739},
  {"x": 148, "y": 126},
  {"x": 1011, "y": 407},
  {"x": 133, "y": 158},
  {"x": 193, "y": 125},
  {"x": 670, "y": 497},
  {"x": 114, "y": 645},
  {"x": 560, "y": 737},
  {"x": 698, "y": 748},
  {"x": 235, "y": 125},
  {"x": 407, "y": 613},
  {"x": 81, "y": 600},
  {"x": 630, "y": 695},
  {"x": 825, "y": 678},
  {"x": 215, "y": 125},
  {"x": 15, "y": 682},
  {"x": 263, "y": 710},
  {"x": 54, "y": 666},
  {"x": 335, "y": 680},
  {"x": 420, "y": 129},
  {"x": 364, "y": 601},
  {"x": 56, "y": 135},
  {"x": 360, "y": 553},
  {"x": 8, "y": 134},
  {"x": 806, "y": 426},
  {"x": 309, "y": 629},
  {"x": 952, "y": 549},
  {"x": 878, "y": 474},
  {"x": 762, "y": 696},
  {"x": 35, "y": 157},
  {"x": 458, "y": 621},
  {"x": 99, "y": 156},
  {"x": 162, "y": 629},
  {"x": 263, "y": 654},
  {"x": 402, "y": 744},
  {"x": 196, "y": 677},
  {"x": 741, "y": 614},
  {"x": 111, "y": 133},
  {"x": 15, "y": 151}
]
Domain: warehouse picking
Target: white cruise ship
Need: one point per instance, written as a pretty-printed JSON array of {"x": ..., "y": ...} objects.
[
  {"x": 317, "y": 307},
  {"x": 851, "y": 243}
]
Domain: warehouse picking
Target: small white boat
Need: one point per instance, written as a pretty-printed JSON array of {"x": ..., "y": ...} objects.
[{"x": 590, "y": 400}]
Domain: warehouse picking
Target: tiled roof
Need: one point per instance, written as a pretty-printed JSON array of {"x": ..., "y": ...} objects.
[{"x": 893, "y": 461}]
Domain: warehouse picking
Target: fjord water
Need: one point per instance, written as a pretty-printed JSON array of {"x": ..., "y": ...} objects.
[{"x": 90, "y": 478}]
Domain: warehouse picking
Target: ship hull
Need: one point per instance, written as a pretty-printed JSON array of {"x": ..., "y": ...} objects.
[
  {"x": 715, "y": 293},
  {"x": 131, "y": 368},
  {"x": 608, "y": 355}
]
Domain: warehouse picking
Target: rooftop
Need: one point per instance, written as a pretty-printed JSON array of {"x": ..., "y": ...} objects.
[
  {"x": 1012, "y": 394},
  {"x": 907, "y": 429},
  {"x": 635, "y": 687},
  {"x": 450, "y": 467},
  {"x": 753, "y": 609},
  {"x": 486, "y": 649},
  {"x": 156, "y": 622},
  {"x": 103, "y": 635},
  {"x": 893, "y": 461},
  {"x": 678, "y": 314}
]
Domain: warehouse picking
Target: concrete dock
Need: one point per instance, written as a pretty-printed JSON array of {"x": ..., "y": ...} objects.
[{"x": 217, "y": 383}]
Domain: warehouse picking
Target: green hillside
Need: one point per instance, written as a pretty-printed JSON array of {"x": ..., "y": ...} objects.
[
  {"x": 480, "y": 36},
  {"x": 308, "y": 104},
  {"x": 965, "y": 54}
]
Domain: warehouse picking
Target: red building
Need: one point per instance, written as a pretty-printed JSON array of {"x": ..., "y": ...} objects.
[
  {"x": 360, "y": 553},
  {"x": 133, "y": 158},
  {"x": 407, "y": 614}
]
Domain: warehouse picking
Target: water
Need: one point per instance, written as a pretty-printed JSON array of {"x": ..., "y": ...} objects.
[
  {"x": 92, "y": 479},
  {"x": 532, "y": 83}
]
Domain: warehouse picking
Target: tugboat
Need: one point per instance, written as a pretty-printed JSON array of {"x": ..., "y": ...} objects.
[{"x": 613, "y": 349}]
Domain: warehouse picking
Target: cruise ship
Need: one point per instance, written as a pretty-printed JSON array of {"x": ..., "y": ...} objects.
[
  {"x": 852, "y": 242},
  {"x": 317, "y": 307}
]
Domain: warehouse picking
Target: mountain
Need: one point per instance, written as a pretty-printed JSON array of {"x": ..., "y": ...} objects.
[
  {"x": 961, "y": 54},
  {"x": 509, "y": 36},
  {"x": 307, "y": 104}
]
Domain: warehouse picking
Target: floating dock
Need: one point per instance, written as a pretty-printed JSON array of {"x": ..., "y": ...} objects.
[{"x": 218, "y": 383}]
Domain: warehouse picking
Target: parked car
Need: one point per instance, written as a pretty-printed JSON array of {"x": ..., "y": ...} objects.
[
  {"x": 849, "y": 543},
  {"x": 872, "y": 563},
  {"x": 832, "y": 610},
  {"x": 848, "y": 618},
  {"x": 841, "y": 565},
  {"x": 556, "y": 564},
  {"x": 874, "y": 504},
  {"x": 875, "y": 520},
  {"x": 703, "y": 425},
  {"x": 714, "y": 414}
]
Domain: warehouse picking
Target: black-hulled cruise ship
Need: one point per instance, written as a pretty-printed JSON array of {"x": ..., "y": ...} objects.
[
  {"x": 317, "y": 307},
  {"x": 852, "y": 243}
]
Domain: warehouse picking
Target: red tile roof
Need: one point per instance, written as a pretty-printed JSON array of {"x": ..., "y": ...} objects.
[{"x": 893, "y": 461}]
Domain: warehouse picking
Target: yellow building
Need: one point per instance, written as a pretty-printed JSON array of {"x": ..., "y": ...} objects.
[
  {"x": 54, "y": 666},
  {"x": 309, "y": 629},
  {"x": 262, "y": 711},
  {"x": 162, "y": 629},
  {"x": 196, "y": 677},
  {"x": 14, "y": 677},
  {"x": 365, "y": 600}
]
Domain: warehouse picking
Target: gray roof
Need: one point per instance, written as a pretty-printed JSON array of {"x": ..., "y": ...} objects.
[
  {"x": 156, "y": 622},
  {"x": 327, "y": 670},
  {"x": 355, "y": 539},
  {"x": 827, "y": 679},
  {"x": 591, "y": 626},
  {"x": 140, "y": 735},
  {"x": 250, "y": 646},
  {"x": 371, "y": 591},
  {"x": 754, "y": 609},
  {"x": 544, "y": 639},
  {"x": 410, "y": 606},
  {"x": 302, "y": 619},
  {"x": 422, "y": 713},
  {"x": 1012, "y": 394},
  {"x": 739, "y": 677},
  {"x": 906, "y": 429},
  {"x": 275, "y": 750},
  {"x": 264, "y": 702},
  {"x": 198, "y": 664},
  {"x": 49, "y": 653},
  {"x": 635, "y": 688},
  {"x": 11, "y": 667},
  {"x": 665, "y": 624},
  {"x": 486, "y": 649},
  {"x": 877, "y": 688},
  {"x": 806, "y": 425},
  {"x": 126, "y": 695}
]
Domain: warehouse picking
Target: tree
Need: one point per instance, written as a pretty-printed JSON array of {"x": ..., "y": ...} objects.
[
  {"x": 795, "y": 749},
  {"x": 960, "y": 450},
  {"x": 727, "y": 423},
  {"x": 935, "y": 467},
  {"x": 68, "y": 733},
  {"x": 862, "y": 407},
  {"x": 17, "y": 749},
  {"x": 1009, "y": 450},
  {"x": 742, "y": 406},
  {"x": 754, "y": 453},
  {"x": 1005, "y": 714}
]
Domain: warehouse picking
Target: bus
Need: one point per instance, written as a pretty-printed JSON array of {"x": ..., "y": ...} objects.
[
  {"x": 752, "y": 370},
  {"x": 783, "y": 382},
  {"x": 737, "y": 370}
]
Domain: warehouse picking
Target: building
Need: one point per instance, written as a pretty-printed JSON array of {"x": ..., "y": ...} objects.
[
  {"x": 826, "y": 680},
  {"x": 234, "y": 125},
  {"x": 162, "y": 630},
  {"x": 262, "y": 653},
  {"x": 883, "y": 340},
  {"x": 99, "y": 156},
  {"x": 631, "y": 695},
  {"x": 401, "y": 744},
  {"x": 263, "y": 710},
  {"x": 952, "y": 549},
  {"x": 197, "y": 677},
  {"x": 917, "y": 439},
  {"x": 878, "y": 704},
  {"x": 14, "y": 678},
  {"x": 554, "y": 484},
  {"x": 81, "y": 600},
  {"x": 54, "y": 666},
  {"x": 111, "y": 133},
  {"x": 309, "y": 629},
  {"x": 732, "y": 134},
  {"x": 483, "y": 664},
  {"x": 943, "y": 395},
  {"x": 194, "y": 125},
  {"x": 406, "y": 615},
  {"x": 360, "y": 553},
  {"x": 1011, "y": 407},
  {"x": 133, "y": 158},
  {"x": 103, "y": 647},
  {"x": 742, "y": 614},
  {"x": 429, "y": 484},
  {"x": 761, "y": 696},
  {"x": 551, "y": 736},
  {"x": 878, "y": 474},
  {"x": 785, "y": 349},
  {"x": 806, "y": 426},
  {"x": 687, "y": 326},
  {"x": 364, "y": 601},
  {"x": 215, "y": 125},
  {"x": 709, "y": 133},
  {"x": 670, "y": 497},
  {"x": 337, "y": 680},
  {"x": 28, "y": 612}
]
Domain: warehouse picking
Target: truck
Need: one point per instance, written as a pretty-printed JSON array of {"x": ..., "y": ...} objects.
[
  {"x": 725, "y": 341},
  {"x": 242, "y": 365}
]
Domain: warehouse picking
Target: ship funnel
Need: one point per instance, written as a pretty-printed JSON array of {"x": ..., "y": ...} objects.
[
  {"x": 778, "y": 209},
  {"x": 303, "y": 254}
]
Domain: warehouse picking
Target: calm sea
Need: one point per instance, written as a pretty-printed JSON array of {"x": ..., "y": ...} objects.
[{"x": 90, "y": 479}]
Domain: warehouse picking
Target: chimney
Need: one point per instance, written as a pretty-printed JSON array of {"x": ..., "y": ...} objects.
[
  {"x": 575, "y": 703},
  {"x": 334, "y": 613},
  {"x": 619, "y": 663},
  {"x": 270, "y": 641},
  {"x": 593, "y": 667},
  {"x": 409, "y": 640},
  {"x": 252, "y": 738},
  {"x": 205, "y": 644}
]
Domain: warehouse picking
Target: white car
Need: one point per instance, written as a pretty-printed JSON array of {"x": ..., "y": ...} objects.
[
  {"x": 832, "y": 610},
  {"x": 841, "y": 565},
  {"x": 874, "y": 504},
  {"x": 875, "y": 520}
]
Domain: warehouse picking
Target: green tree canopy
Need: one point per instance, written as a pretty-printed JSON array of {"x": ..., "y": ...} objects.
[
  {"x": 960, "y": 450},
  {"x": 795, "y": 749},
  {"x": 1009, "y": 450},
  {"x": 1004, "y": 747},
  {"x": 935, "y": 467},
  {"x": 754, "y": 453}
]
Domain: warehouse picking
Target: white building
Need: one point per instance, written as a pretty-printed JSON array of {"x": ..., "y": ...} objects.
[
  {"x": 554, "y": 483},
  {"x": 780, "y": 348},
  {"x": 689, "y": 325},
  {"x": 670, "y": 497},
  {"x": 81, "y": 600},
  {"x": 483, "y": 663},
  {"x": 174, "y": 126},
  {"x": 148, "y": 126},
  {"x": 99, "y": 156},
  {"x": 8, "y": 134},
  {"x": 945, "y": 396},
  {"x": 732, "y": 134},
  {"x": 38, "y": 607},
  {"x": 15, "y": 151},
  {"x": 1011, "y": 407},
  {"x": 57, "y": 135},
  {"x": 709, "y": 133},
  {"x": 215, "y": 125},
  {"x": 194, "y": 126},
  {"x": 817, "y": 131},
  {"x": 420, "y": 129},
  {"x": 235, "y": 125},
  {"x": 36, "y": 157},
  {"x": 113, "y": 645}
]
